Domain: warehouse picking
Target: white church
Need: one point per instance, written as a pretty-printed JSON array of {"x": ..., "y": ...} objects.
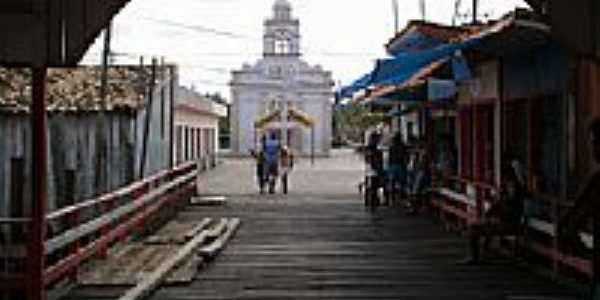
[{"x": 281, "y": 93}]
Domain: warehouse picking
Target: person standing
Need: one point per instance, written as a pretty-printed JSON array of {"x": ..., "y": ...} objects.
[
  {"x": 374, "y": 158},
  {"x": 259, "y": 156},
  {"x": 397, "y": 161},
  {"x": 287, "y": 164},
  {"x": 271, "y": 151}
]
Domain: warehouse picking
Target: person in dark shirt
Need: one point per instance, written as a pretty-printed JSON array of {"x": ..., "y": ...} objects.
[
  {"x": 271, "y": 149},
  {"x": 397, "y": 161}
]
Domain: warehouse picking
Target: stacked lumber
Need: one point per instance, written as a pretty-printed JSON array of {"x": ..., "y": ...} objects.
[
  {"x": 173, "y": 255},
  {"x": 217, "y": 237}
]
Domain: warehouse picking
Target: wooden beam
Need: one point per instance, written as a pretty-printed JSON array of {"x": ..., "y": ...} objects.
[
  {"x": 211, "y": 251},
  {"x": 154, "y": 279},
  {"x": 216, "y": 231},
  {"x": 198, "y": 228}
]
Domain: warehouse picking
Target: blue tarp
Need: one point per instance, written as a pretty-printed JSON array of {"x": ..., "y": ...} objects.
[
  {"x": 413, "y": 42},
  {"x": 397, "y": 70},
  {"x": 359, "y": 84}
]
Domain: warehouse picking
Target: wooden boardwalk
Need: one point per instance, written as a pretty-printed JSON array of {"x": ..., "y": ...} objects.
[{"x": 327, "y": 246}]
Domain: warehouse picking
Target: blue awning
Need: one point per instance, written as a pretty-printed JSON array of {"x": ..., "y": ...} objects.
[
  {"x": 359, "y": 84},
  {"x": 397, "y": 70},
  {"x": 413, "y": 41}
]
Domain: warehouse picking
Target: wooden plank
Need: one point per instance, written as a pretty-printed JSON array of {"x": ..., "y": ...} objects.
[
  {"x": 194, "y": 231},
  {"x": 452, "y": 195},
  {"x": 153, "y": 280},
  {"x": 135, "y": 262},
  {"x": 549, "y": 229},
  {"x": 218, "y": 229},
  {"x": 208, "y": 201},
  {"x": 178, "y": 232},
  {"x": 579, "y": 264},
  {"x": 211, "y": 251},
  {"x": 465, "y": 216}
]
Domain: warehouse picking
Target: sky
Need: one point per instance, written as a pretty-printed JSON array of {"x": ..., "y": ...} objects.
[{"x": 210, "y": 38}]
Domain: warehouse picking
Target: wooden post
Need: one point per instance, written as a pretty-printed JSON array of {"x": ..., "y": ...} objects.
[
  {"x": 171, "y": 114},
  {"x": 162, "y": 99},
  {"x": 502, "y": 129},
  {"x": 36, "y": 256},
  {"x": 148, "y": 122}
]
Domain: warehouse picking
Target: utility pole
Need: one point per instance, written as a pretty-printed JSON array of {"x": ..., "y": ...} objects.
[
  {"x": 475, "y": 11},
  {"x": 105, "y": 61},
  {"x": 423, "y": 10},
  {"x": 396, "y": 21}
]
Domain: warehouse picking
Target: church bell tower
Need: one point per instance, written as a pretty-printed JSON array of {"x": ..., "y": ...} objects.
[{"x": 282, "y": 32}]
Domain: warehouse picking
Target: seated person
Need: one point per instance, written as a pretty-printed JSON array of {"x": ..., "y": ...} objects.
[{"x": 504, "y": 216}]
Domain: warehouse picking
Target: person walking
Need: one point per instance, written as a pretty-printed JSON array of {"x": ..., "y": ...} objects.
[
  {"x": 272, "y": 150},
  {"x": 287, "y": 164},
  {"x": 259, "y": 156},
  {"x": 397, "y": 161}
]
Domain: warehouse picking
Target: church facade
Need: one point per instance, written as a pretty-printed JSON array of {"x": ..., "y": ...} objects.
[{"x": 265, "y": 96}]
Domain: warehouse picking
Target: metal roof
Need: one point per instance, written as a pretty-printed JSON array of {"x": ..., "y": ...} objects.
[{"x": 77, "y": 89}]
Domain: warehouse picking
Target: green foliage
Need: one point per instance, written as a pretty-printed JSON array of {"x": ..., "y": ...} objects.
[{"x": 354, "y": 119}]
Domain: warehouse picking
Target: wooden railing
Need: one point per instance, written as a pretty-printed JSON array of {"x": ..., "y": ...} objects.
[
  {"x": 122, "y": 213},
  {"x": 463, "y": 199},
  {"x": 466, "y": 208},
  {"x": 90, "y": 227}
]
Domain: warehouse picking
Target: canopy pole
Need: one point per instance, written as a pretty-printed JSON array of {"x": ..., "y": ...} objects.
[
  {"x": 255, "y": 138},
  {"x": 312, "y": 145}
]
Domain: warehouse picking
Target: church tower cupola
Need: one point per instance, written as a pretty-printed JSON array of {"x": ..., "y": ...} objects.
[{"x": 282, "y": 32}]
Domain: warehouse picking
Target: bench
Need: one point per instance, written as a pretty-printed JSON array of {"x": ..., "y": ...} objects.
[{"x": 462, "y": 206}]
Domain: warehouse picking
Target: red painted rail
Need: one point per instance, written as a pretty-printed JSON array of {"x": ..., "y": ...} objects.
[
  {"x": 123, "y": 213},
  {"x": 90, "y": 227},
  {"x": 467, "y": 210}
]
